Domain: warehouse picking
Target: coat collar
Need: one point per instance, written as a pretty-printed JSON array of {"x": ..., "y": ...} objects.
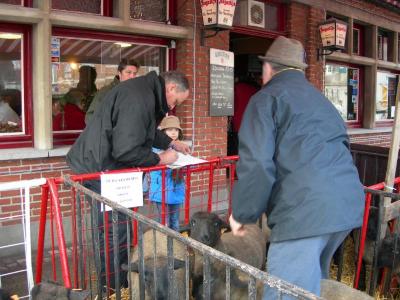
[
  {"x": 286, "y": 74},
  {"x": 158, "y": 85}
]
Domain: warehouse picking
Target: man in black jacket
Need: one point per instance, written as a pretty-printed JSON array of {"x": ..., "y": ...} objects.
[{"x": 121, "y": 135}]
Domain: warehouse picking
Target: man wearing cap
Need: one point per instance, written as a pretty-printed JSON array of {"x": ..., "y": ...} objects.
[{"x": 295, "y": 165}]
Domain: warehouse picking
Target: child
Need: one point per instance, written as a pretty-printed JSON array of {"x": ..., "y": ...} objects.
[{"x": 174, "y": 181}]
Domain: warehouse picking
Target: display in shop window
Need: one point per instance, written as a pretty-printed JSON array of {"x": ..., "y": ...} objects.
[
  {"x": 85, "y": 66},
  {"x": 385, "y": 95},
  {"x": 342, "y": 89},
  {"x": 11, "y": 100}
]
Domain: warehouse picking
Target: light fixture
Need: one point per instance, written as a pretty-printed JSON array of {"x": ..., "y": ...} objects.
[
  {"x": 73, "y": 65},
  {"x": 123, "y": 45},
  {"x": 333, "y": 36},
  {"x": 10, "y": 36},
  {"x": 217, "y": 16}
]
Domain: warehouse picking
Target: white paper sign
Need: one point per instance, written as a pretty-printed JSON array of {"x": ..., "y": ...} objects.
[
  {"x": 185, "y": 160},
  {"x": 125, "y": 189}
]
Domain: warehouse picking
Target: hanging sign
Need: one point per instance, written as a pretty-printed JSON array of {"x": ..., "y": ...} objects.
[
  {"x": 333, "y": 34},
  {"x": 221, "y": 82},
  {"x": 126, "y": 189},
  {"x": 218, "y": 13}
]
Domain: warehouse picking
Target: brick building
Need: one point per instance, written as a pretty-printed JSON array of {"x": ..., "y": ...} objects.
[{"x": 48, "y": 40}]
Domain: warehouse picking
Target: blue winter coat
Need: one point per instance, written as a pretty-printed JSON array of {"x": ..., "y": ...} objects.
[
  {"x": 175, "y": 191},
  {"x": 295, "y": 163}
]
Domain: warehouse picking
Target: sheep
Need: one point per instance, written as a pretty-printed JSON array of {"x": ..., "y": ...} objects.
[
  {"x": 335, "y": 290},
  {"x": 52, "y": 290},
  {"x": 179, "y": 251},
  {"x": 206, "y": 228}
]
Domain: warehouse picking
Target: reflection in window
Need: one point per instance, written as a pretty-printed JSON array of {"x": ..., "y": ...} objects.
[
  {"x": 85, "y": 6},
  {"x": 386, "y": 84},
  {"x": 11, "y": 104},
  {"x": 342, "y": 89},
  {"x": 82, "y": 67},
  {"x": 154, "y": 10}
]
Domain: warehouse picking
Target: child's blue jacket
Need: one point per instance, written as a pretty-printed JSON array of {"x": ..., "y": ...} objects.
[{"x": 175, "y": 191}]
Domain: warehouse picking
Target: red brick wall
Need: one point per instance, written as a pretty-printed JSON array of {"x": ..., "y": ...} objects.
[
  {"x": 210, "y": 133},
  {"x": 302, "y": 24},
  {"x": 373, "y": 139},
  {"x": 25, "y": 169}
]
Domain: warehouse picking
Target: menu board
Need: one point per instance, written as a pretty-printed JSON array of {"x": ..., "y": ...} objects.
[{"x": 221, "y": 82}]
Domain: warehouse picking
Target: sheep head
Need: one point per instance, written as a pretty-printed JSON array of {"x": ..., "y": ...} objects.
[{"x": 206, "y": 228}]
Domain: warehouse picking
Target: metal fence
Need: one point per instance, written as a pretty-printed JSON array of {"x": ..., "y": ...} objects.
[
  {"x": 11, "y": 269},
  {"x": 210, "y": 256}
]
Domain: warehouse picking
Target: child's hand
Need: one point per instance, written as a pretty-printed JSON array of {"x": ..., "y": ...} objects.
[
  {"x": 180, "y": 146},
  {"x": 168, "y": 157}
]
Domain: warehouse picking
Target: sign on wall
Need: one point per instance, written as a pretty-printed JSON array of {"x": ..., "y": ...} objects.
[{"x": 221, "y": 82}]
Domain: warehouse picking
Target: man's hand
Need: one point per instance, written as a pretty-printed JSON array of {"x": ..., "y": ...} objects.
[
  {"x": 236, "y": 227},
  {"x": 168, "y": 157},
  {"x": 180, "y": 146}
]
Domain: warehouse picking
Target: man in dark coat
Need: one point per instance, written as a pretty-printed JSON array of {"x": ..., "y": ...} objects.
[
  {"x": 121, "y": 135},
  {"x": 295, "y": 165}
]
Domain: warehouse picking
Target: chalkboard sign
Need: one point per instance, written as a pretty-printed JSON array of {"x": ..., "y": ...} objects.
[{"x": 221, "y": 82}]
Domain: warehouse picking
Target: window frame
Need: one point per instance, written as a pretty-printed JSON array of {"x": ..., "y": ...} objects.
[
  {"x": 106, "y": 9},
  {"x": 360, "y": 30},
  {"x": 22, "y": 139},
  {"x": 68, "y": 138},
  {"x": 360, "y": 106}
]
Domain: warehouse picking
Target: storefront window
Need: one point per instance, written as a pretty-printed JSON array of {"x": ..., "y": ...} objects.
[
  {"x": 386, "y": 84},
  {"x": 86, "y": 6},
  {"x": 153, "y": 10},
  {"x": 342, "y": 88},
  {"x": 80, "y": 67},
  {"x": 12, "y": 118},
  {"x": 16, "y": 2}
]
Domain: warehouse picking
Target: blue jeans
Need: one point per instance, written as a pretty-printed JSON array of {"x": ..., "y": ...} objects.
[
  {"x": 303, "y": 262},
  {"x": 172, "y": 217}
]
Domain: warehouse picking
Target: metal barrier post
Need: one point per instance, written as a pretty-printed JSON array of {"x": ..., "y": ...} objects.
[
  {"x": 60, "y": 234},
  {"x": 368, "y": 197},
  {"x": 42, "y": 232}
]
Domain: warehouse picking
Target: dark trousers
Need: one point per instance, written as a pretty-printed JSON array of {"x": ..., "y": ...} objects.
[{"x": 98, "y": 239}]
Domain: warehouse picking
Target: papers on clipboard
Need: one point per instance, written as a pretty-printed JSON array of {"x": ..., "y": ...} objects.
[{"x": 185, "y": 160}]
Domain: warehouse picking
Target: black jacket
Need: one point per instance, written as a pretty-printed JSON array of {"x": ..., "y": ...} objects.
[
  {"x": 124, "y": 128},
  {"x": 295, "y": 163}
]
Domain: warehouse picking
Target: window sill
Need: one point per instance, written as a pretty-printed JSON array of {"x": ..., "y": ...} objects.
[
  {"x": 28, "y": 153},
  {"x": 356, "y": 131}
]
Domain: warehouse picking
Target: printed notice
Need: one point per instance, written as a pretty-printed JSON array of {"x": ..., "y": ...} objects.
[{"x": 124, "y": 189}]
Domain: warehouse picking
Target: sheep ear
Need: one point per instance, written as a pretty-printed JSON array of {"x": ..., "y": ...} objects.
[
  {"x": 178, "y": 264},
  {"x": 134, "y": 267}
]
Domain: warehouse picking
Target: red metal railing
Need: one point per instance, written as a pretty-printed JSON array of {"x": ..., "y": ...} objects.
[
  {"x": 368, "y": 197},
  {"x": 50, "y": 192}
]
